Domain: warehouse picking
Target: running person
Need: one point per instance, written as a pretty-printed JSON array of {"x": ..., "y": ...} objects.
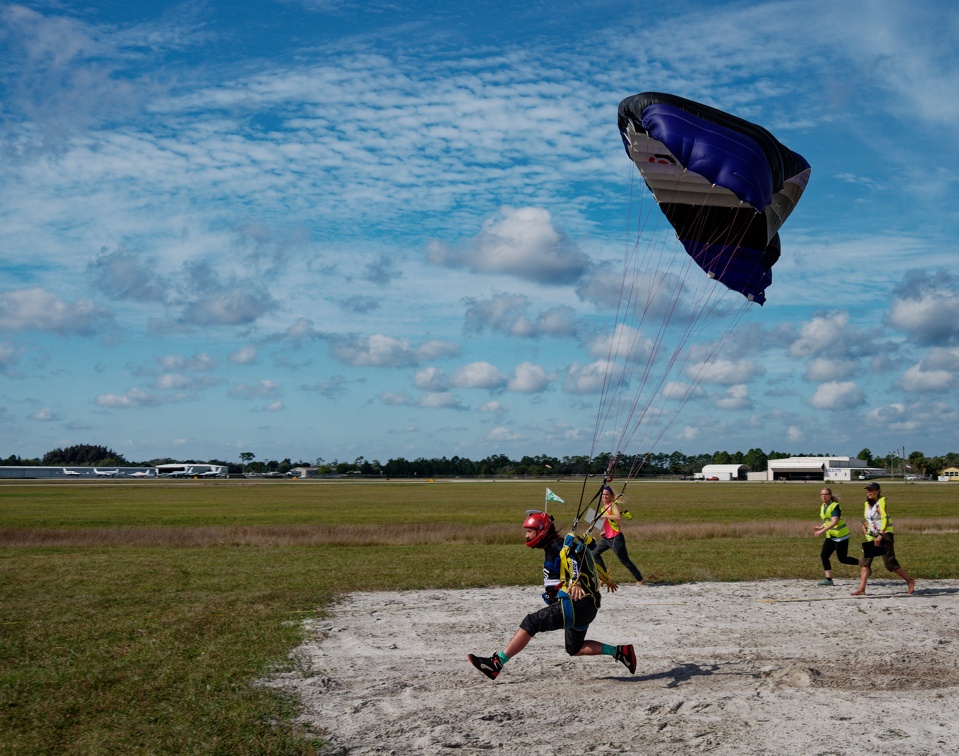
[
  {"x": 613, "y": 537},
  {"x": 572, "y": 600},
  {"x": 836, "y": 532},
  {"x": 877, "y": 526}
]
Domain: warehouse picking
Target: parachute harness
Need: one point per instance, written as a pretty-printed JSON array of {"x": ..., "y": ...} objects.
[{"x": 579, "y": 546}]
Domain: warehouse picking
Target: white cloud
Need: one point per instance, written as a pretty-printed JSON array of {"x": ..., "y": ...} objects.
[
  {"x": 586, "y": 379},
  {"x": 837, "y": 395},
  {"x": 938, "y": 372},
  {"x": 522, "y": 242},
  {"x": 244, "y": 356},
  {"x": 509, "y": 314},
  {"x": 820, "y": 334},
  {"x": 431, "y": 379},
  {"x": 440, "y": 400},
  {"x": 529, "y": 379},
  {"x": 481, "y": 375},
  {"x": 735, "y": 398},
  {"x": 823, "y": 369},
  {"x": 9, "y": 355},
  {"x": 41, "y": 310},
  {"x": 134, "y": 398},
  {"x": 502, "y": 434},
  {"x": 678, "y": 390},
  {"x": 926, "y": 306},
  {"x": 625, "y": 343},
  {"x": 725, "y": 371},
  {"x": 260, "y": 390},
  {"x": 380, "y": 350}
]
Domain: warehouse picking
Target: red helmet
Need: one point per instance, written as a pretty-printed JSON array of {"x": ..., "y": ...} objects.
[{"x": 542, "y": 523}]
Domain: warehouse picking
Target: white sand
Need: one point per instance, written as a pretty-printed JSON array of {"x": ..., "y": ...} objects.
[{"x": 771, "y": 667}]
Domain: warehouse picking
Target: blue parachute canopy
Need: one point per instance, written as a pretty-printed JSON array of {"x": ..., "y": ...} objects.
[{"x": 726, "y": 185}]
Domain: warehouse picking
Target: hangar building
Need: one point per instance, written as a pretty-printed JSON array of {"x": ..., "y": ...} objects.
[{"x": 821, "y": 468}]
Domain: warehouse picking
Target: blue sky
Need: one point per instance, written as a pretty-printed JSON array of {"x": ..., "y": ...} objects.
[{"x": 318, "y": 229}]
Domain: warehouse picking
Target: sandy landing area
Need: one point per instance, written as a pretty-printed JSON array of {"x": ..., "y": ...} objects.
[{"x": 770, "y": 667}]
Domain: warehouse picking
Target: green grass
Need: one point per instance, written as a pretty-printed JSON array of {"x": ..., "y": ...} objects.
[{"x": 136, "y": 617}]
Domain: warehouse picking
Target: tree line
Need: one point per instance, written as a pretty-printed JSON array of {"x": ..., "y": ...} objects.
[{"x": 497, "y": 465}]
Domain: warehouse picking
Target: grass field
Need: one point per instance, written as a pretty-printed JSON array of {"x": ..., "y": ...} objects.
[{"x": 137, "y": 616}]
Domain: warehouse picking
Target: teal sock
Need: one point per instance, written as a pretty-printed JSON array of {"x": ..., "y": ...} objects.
[
  {"x": 501, "y": 655},
  {"x": 609, "y": 650}
]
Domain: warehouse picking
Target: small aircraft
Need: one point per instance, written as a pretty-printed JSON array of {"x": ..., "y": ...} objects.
[
  {"x": 181, "y": 473},
  {"x": 71, "y": 472},
  {"x": 142, "y": 474},
  {"x": 210, "y": 474},
  {"x": 106, "y": 473}
]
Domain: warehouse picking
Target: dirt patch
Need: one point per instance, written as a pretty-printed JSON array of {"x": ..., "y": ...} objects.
[{"x": 766, "y": 667}]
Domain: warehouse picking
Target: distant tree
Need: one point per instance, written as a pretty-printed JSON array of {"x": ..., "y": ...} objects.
[
  {"x": 721, "y": 458},
  {"x": 756, "y": 460},
  {"x": 918, "y": 462},
  {"x": 84, "y": 455},
  {"x": 14, "y": 461},
  {"x": 247, "y": 457},
  {"x": 866, "y": 456}
]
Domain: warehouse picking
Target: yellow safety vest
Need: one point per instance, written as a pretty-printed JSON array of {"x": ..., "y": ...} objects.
[
  {"x": 825, "y": 512},
  {"x": 883, "y": 521}
]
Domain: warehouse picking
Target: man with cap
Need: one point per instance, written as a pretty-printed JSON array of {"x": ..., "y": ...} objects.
[{"x": 877, "y": 526}]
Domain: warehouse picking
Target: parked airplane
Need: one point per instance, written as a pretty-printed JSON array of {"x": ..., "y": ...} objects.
[
  {"x": 181, "y": 473},
  {"x": 106, "y": 473},
  {"x": 211, "y": 474},
  {"x": 71, "y": 472},
  {"x": 142, "y": 474}
]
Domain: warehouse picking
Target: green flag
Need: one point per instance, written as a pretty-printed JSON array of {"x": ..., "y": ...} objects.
[{"x": 550, "y": 496}]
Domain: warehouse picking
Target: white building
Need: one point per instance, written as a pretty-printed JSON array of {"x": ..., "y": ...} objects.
[
  {"x": 821, "y": 468},
  {"x": 724, "y": 472}
]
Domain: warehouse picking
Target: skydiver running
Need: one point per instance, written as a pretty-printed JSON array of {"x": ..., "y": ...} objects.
[{"x": 572, "y": 582}]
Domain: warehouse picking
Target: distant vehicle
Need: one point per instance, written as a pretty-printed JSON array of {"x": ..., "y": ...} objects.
[
  {"x": 106, "y": 473},
  {"x": 712, "y": 478},
  {"x": 71, "y": 472},
  {"x": 911, "y": 477},
  {"x": 863, "y": 476}
]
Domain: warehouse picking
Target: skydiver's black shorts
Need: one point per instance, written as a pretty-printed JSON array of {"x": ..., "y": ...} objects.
[
  {"x": 551, "y": 618},
  {"x": 888, "y": 544}
]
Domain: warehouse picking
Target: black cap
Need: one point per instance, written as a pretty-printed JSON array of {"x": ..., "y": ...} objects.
[{"x": 872, "y": 486}]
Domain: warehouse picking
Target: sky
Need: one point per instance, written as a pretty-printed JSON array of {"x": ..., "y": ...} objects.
[{"x": 323, "y": 229}]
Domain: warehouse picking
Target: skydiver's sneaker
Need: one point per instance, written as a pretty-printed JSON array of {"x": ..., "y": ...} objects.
[
  {"x": 488, "y": 665},
  {"x": 627, "y": 656},
  {"x": 826, "y": 581}
]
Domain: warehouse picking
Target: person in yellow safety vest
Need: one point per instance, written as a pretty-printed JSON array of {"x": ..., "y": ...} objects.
[
  {"x": 836, "y": 532},
  {"x": 877, "y": 527}
]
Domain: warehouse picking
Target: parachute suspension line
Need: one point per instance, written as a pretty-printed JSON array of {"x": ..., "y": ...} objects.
[
  {"x": 693, "y": 385},
  {"x": 649, "y": 274},
  {"x": 645, "y": 273},
  {"x": 623, "y": 342}
]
